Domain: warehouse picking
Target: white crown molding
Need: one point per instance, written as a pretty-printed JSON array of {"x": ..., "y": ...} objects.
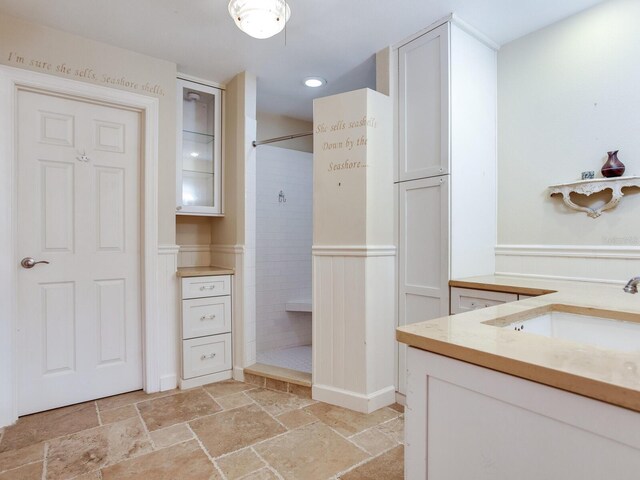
[
  {"x": 168, "y": 249},
  {"x": 474, "y": 32},
  {"x": 354, "y": 250},
  {"x": 576, "y": 251},
  {"x": 201, "y": 81}
]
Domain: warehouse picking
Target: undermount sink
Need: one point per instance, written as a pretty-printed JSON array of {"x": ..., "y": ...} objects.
[{"x": 601, "y": 328}]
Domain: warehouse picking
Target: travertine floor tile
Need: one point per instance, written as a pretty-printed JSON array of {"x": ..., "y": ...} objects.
[
  {"x": 33, "y": 471},
  {"x": 121, "y": 449},
  {"x": 373, "y": 441},
  {"x": 166, "y": 411},
  {"x": 296, "y": 418},
  {"x": 118, "y": 414},
  {"x": 348, "y": 422},
  {"x": 234, "y": 401},
  {"x": 235, "y": 429},
  {"x": 90, "y": 450},
  {"x": 388, "y": 466},
  {"x": 313, "y": 452},
  {"x": 239, "y": 464},
  {"x": 47, "y": 425},
  {"x": 394, "y": 429},
  {"x": 300, "y": 390},
  {"x": 16, "y": 458},
  {"x": 263, "y": 474},
  {"x": 277, "y": 403},
  {"x": 185, "y": 461},
  {"x": 171, "y": 435},
  {"x": 90, "y": 476},
  {"x": 227, "y": 387},
  {"x": 130, "y": 398}
]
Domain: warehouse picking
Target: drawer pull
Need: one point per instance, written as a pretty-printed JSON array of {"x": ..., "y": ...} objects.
[
  {"x": 207, "y": 357},
  {"x": 207, "y": 317},
  {"x": 207, "y": 287}
]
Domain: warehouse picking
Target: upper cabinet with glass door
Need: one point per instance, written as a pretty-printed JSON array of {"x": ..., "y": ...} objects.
[{"x": 199, "y": 163}]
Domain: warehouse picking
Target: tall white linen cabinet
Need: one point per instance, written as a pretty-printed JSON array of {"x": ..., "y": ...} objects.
[{"x": 444, "y": 85}]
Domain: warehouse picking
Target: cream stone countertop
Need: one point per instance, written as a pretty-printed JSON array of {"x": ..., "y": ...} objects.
[
  {"x": 607, "y": 375},
  {"x": 184, "y": 272}
]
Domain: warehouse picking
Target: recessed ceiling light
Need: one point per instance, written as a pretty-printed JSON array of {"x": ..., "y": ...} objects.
[{"x": 314, "y": 82}]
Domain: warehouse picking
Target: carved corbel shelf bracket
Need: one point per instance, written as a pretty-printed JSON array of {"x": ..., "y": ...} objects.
[{"x": 589, "y": 187}]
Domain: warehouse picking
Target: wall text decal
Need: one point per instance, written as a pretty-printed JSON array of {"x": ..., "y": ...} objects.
[{"x": 84, "y": 73}]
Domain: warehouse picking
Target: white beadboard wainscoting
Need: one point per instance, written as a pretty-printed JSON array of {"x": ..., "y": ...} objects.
[
  {"x": 588, "y": 263},
  {"x": 168, "y": 317},
  {"x": 353, "y": 327}
]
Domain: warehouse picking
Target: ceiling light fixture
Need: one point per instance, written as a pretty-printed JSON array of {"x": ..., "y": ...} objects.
[
  {"x": 260, "y": 18},
  {"x": 314, "y": 82}
]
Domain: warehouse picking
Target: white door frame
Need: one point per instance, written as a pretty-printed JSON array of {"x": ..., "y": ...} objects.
[{"x": 11, "y": 80}]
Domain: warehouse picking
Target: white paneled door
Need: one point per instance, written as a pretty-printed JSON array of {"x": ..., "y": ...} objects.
[{"x": 79, "y": 315}]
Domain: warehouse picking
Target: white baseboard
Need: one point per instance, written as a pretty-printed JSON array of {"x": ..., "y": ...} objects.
[
  {"x": 204, "y": 380},
  {"x": 586, "y": 263},
  {"x": 355, "y": 401},
  {"x": 168, "y": 382},
  {"x": 238, "y": 374}
]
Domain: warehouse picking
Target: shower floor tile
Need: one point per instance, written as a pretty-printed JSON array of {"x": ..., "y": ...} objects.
[{"x": 295, "y": 358}]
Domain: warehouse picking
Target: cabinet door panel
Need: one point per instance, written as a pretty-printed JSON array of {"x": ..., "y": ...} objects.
[
  {"x": 199, "y": 153},
  {"x": 423, "y": 255},
  {"x": 423, "y": 109}
]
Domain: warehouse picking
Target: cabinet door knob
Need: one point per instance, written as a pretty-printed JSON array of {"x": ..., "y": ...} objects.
[
  {"x": 207, "y": 357},
  {"x": 207, "y": 317}
]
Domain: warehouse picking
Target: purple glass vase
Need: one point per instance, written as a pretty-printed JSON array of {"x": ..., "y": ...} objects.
[{"x": 613, "y": 167}]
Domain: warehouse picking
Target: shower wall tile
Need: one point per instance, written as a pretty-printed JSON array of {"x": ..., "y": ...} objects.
[{"x": 283, "y": 246}]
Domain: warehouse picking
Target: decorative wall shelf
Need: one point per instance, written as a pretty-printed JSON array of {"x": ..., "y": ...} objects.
[{"x": 589, "y": 187}]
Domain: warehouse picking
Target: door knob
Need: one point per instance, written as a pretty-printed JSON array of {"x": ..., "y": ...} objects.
[{"x": 29, "y": 262}]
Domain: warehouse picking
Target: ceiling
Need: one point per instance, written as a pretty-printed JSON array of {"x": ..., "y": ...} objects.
[{"x": 334, "y": 39}]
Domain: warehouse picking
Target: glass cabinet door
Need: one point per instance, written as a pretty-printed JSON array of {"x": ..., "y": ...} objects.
[{"x": 199, "y": 149}]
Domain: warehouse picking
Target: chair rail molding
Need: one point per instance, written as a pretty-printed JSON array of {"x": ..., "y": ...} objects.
[{"x": 613, "y": 263}]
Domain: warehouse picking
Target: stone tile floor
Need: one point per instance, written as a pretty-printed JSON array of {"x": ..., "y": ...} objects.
[{"x": 228, "y": 430}]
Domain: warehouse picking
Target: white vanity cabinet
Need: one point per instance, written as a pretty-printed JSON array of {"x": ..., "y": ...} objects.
[
  {"x": 199, "y": 149},
  {"x": 205, "y": 329},
  {"x": 463, "y": 421}
]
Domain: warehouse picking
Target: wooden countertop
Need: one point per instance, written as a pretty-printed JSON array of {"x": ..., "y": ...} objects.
[
  {"x": 607, "y": 375},
  {"x": 184, "y": 272}
]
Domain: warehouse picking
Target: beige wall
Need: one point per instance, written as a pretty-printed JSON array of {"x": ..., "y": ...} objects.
[
  {"x": 42, "y": 49},
  {"x": 566, "y": 95},
  {"x": 271, "y": 126}
]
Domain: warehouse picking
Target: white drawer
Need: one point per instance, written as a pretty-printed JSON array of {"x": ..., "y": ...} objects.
[
  {"x": 206, "y": 316},
  {"x": 206, "y": 355},
  {"x": 467, "y": 299},
  {"x": 199, "y": 287}
]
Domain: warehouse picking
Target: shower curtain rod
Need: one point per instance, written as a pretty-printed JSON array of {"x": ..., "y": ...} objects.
[{"x": 281, "y": 139}]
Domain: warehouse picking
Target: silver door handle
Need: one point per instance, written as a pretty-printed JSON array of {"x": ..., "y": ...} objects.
[{"x": 29, "y": 262}]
